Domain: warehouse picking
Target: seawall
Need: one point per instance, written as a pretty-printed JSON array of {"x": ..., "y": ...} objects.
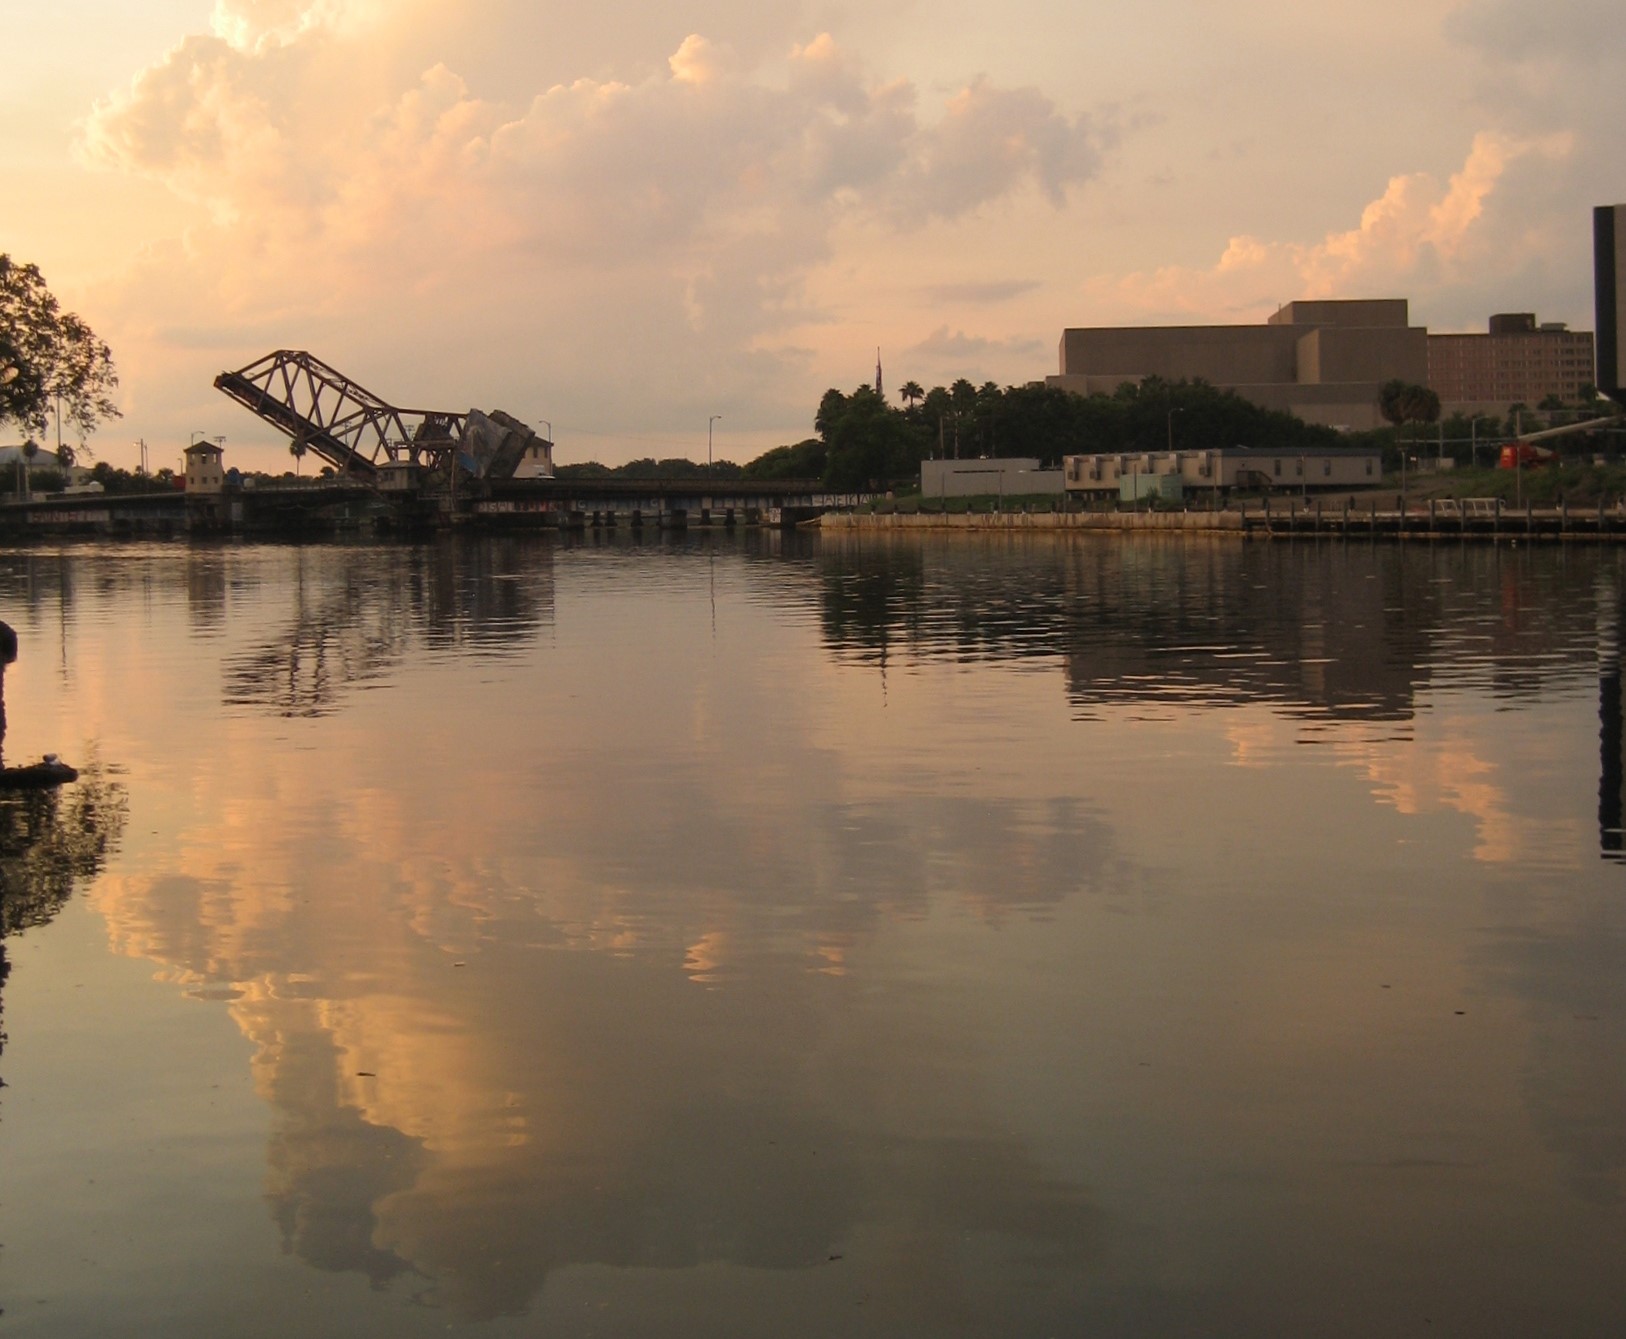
[{"x": 1230, "y": 522}]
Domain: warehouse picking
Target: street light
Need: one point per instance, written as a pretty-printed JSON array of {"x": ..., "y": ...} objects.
[
  {"x": 709, "y": 422},
  {"x": 548, "y": 424},
  {"x": 1172, "y": 413}
]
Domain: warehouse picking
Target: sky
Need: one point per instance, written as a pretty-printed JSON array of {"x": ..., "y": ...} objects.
[{"x": 617, "y": 221}]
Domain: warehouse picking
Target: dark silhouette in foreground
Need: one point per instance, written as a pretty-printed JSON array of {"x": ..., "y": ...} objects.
[{"x": 49, "y": 770}]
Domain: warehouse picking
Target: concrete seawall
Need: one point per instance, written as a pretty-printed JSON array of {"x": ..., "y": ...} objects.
[{"x": 1229, "y": 522}]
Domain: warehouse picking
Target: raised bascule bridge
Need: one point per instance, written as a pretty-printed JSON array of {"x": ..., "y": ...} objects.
[
  {"x": 508, "y": 468},
  {"x": 407, "y": 470},
  {"x": 360, "y": 434}
]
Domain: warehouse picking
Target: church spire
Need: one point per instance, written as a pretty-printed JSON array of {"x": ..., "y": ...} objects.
[{"x": 878, "y": 389}]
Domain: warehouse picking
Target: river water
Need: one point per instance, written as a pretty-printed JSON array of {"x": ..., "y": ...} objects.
[{"x": 746, "y": 936}]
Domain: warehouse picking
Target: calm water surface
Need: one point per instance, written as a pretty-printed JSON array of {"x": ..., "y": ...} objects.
[{"x": 774, "y": 937}]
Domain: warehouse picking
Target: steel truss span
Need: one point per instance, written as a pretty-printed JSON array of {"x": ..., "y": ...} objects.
[{"x": 321, "y": 409}]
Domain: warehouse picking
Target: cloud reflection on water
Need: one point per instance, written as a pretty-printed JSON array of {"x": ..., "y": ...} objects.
[{"x": 602, "y": 955}]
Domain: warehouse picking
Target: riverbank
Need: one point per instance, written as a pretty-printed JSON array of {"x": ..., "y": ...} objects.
[{"x": 1440, "y": 519}]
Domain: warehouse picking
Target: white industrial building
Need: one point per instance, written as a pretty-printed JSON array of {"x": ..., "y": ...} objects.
[{"x": 1144, "y": 473}]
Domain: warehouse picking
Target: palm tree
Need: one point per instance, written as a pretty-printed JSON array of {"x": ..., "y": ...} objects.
[
  {"x": 297, "y": 451},
  {"x": 910, "y": 392}
]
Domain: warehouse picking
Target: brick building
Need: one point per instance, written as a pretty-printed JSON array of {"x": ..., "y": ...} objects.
[{"x": 1516, "y": 361}]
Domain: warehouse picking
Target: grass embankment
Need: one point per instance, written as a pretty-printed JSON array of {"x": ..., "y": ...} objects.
[{"x": 1577, "y": 484}]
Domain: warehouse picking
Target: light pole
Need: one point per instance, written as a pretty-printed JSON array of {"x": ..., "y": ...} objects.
[
  {"x": 709, "y": 422},
  {"x": 548, "y": 424},
  {"x": 1172, "y": 413},
  {"x": 1518, "y": 459}
]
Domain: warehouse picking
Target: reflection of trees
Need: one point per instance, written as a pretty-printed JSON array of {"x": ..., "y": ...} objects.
[
  {"x": 870, "y": 599},
  {"x": 49, "y": 840},
  {"x": 358, "y": 613},
  {"x": 1348, "y": 631}
]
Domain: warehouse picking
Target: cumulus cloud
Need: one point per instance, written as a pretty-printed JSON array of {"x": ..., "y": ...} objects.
[
  {"x": 252, "y": 121},
  {"x": 685, "y": 206},
  {"x": 1419, "y": 233},
  {"x": 259, "y": 25}
]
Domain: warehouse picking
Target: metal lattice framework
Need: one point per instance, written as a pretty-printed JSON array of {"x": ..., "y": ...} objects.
[{"x": 345, "y": 424}]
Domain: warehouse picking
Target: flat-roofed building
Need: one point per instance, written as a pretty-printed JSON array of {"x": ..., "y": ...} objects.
[
  {"x": 1517, "y": 361},
  {"x": 1323, "y": 361},
  {"x": 1014, "y": 476},
  {"x": 1302, "y": 469},
  {"x": 1609, "y": 283}
]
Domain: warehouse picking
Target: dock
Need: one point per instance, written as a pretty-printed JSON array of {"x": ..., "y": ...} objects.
[{"x": 1486, "y": 520}]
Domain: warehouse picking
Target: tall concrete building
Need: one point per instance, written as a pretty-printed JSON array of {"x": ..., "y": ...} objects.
[
  {"x": 1609, "y": 280},
  {"x": 1323, "y": 361},
  {"x": 1517, "y": 361}
]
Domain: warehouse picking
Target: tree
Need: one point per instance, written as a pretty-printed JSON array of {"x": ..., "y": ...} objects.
[
  {"x": 866, "y": 441},
  {"x": 49, "y": 358},
  {"x": 910, "y": 393},
  {"x": 1405, "y": 402},
  {"x": 804, "y": 460}
]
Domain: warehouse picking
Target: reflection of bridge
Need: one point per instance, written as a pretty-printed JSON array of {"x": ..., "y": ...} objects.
[{"x": 671, "y": 502}]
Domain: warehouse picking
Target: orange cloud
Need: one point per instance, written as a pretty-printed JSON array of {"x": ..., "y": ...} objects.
[{"x": 1418, "y": 228}]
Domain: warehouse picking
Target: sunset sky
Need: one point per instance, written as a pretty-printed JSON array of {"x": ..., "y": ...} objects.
[{"x": 627, "y": 217}]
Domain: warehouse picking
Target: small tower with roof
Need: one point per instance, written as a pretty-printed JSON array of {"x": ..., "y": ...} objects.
[{"x": 204, "y": 471}]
